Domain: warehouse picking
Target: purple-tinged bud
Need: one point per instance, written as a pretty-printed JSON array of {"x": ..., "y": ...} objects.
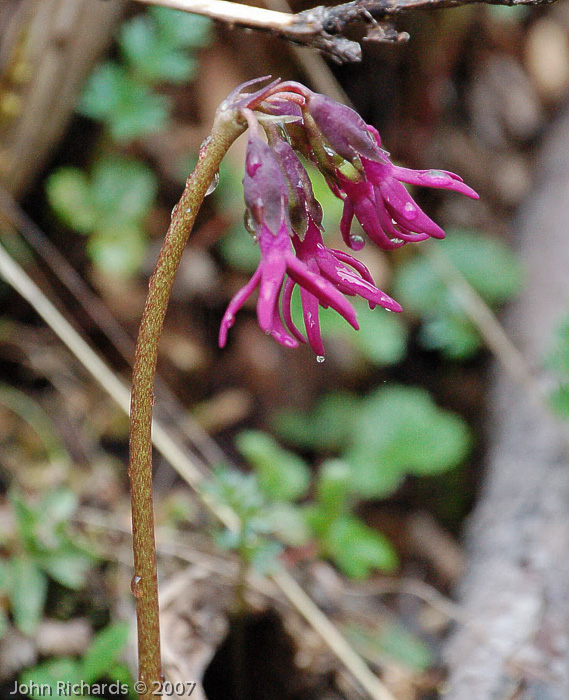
[
  {"x": 303, "y": 206},
  {"x": 264, "y": 187},
  {"x": 344, "y": 130}
]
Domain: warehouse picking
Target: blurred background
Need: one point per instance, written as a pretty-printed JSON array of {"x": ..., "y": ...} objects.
[{"x": 360, "y": 472}]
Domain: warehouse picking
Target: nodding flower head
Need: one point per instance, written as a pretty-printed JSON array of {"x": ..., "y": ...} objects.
[
  {"x": 349, "y": 152},
  {"x": 266, "y": 197},
  {"x": 286, "y": 219}
]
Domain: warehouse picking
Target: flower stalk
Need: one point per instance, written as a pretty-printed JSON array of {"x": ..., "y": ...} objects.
[{"x": 144, "y": 583}]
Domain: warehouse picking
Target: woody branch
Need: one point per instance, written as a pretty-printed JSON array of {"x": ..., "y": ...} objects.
[{"x": 323, "y": 27}]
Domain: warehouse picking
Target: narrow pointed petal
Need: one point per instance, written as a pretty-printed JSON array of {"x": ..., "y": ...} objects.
[
  {"x": 442, "y": 179},
  {"x": 312, "y": 321},
  {"x": 406, "y": 211},
  {"x": 354, "y": 262},
  {"x": 235, "y": 305},
  {"x": 346, "y": 222},
  {"x": 279, "y": 333},
  {"x": 286, "y": 309},
  {"x": 373, "y": 220},
  {"x": 322, "y": 289},
  {"x": 353, "y": 284},
  {"x": 272, "y": 277}
]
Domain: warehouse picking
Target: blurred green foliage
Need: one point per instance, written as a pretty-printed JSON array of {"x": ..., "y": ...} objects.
[
  {"x": 110, "y": 204},
  {"x": 273, "y": 507},
  {"x": 392, "y": 432},
  {"x": 558, "y": 361},
  {"x": 489, "y": 267},
  {"x": 157, "y": 47},
  {"x": 43, "y": 549},
  {"x": 101, "y": 663}
]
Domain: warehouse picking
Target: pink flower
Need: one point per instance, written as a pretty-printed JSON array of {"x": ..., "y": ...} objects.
[
  {"x": 266, "y": 197},
  {"x": 361, "y": 173},
  {"x": 286, "y": 220},
  {"x": 348, "y": 275}
]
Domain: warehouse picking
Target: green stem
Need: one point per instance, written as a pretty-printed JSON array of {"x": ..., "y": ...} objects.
[{"x": 145, "y": 584}]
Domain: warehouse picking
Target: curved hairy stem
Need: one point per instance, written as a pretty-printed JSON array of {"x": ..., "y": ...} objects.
[{"x": 145, "y": 587}]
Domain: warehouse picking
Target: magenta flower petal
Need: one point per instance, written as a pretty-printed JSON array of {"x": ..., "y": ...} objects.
[
  {"x": 354, "y": 262},
  {"x": 235, "y": 305},
  {"x": 346, "y": 223},
  {"x": 279, "y": 333},
  {"x": 401, "y": 206},
  {"x": 325, "y": 292},
  {"x": 442, "y": 179},
  {"x": 286, "y": 308},
  {"x": 353, "y": 284},
  {"x": 312, "y": 321}
]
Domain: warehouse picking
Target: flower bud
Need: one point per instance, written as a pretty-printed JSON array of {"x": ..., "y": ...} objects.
[{"x": 264, "y": 186}]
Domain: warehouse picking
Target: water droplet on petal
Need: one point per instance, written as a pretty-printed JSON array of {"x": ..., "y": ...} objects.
[
  {"x": 397, "y": 240},
  {"x": 356, "y": 242},
  {"x": 437, "y": 177},
  {"x": 135, "y": 586},
  {"x": 410, "y": 210},
  {"x": 320, "y": 359},
  {"x": 213, "y": 184}
]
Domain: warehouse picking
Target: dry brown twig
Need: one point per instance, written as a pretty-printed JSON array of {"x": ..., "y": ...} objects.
[{"x": 324, "y": 28}]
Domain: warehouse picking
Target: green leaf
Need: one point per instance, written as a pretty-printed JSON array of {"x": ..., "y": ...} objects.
[
  {"x": 123, "y": 190},
  {"x": 282, "y": 475},
  {"x": 139, "y": 114},
  {"x": 49, "y": 673},
  {"x": 68, "y": 567},
  {"x": 104, "y": 91},
  {"x": 288, "y": 523},
  {"x": 264, "y": 557},
  {"x": 382, "y": 338},
  {"x": 402, "y": 431},
  {"x": 138, "y": 41},
  {"x": 59, "y": 505},
  {"x": 69, "y": 195},
  {"x": 454, "y": 334},
  {"x": 559, "y": 400},
  {"x": 118, "y": 250},
  {"x": 127, "y": 107},
  {"x": 392, "y": 640},
  {"x": 182, "y": 29},
  {"x": 3, "y": 622},
  {"x": 6, "y": 575},
  {"x": 105, "y": 650},
  {"x": 151, "y": 57},
  {"x": 27, "y": 519},
  {"x": 328, "y": 428},
  {"x": 486, "y": 263},
  {"x": 239, "y": 250},
  {"x": 559, "y": 357},
  {"x": 28, "y": 593},
  {"x": 357, "y": 549},
  {"x": 333, "y": 488}
]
